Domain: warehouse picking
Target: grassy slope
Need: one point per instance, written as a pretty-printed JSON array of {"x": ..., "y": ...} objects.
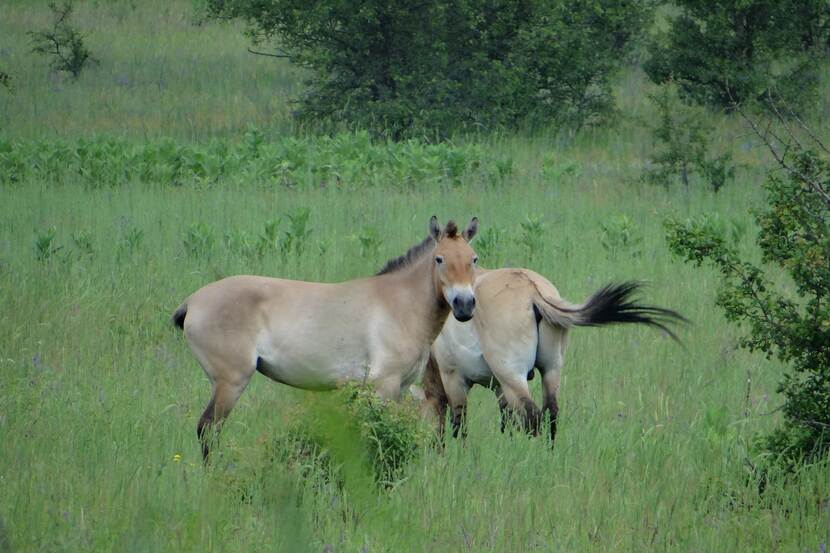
[{"x": 99, "y": 392}]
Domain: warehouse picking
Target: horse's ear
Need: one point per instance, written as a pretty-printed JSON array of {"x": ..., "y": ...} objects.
[
  {"x": 434, "y": 228},
  {"x": 471, "y": 229}
]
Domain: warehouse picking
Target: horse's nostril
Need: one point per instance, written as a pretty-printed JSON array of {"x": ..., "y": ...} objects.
[
  {"x": 472, "y": 303},
  {"x": 455, "y": 303}
]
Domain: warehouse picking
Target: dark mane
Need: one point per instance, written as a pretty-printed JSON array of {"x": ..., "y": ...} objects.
[{"x": 406, "y": 259}]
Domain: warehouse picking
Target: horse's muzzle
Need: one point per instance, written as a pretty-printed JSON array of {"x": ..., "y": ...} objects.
[{"x": 463, "y": 307}]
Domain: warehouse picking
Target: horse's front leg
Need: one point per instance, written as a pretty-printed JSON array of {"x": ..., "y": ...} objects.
[
  {"x": 456, "y": 387},
  {"x": 435, "y": 400}
]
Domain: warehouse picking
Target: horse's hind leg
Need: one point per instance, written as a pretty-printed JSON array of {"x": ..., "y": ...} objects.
[
  {"x": 515, "y": 398},
  {"x": 225, "y": 396},
  {"x": 229, "y": 374},
  {"x": 549, "y": 360}
]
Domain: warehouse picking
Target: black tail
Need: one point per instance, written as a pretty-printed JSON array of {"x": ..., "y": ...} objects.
[
  {"x": 611, "y": 304},
  {"x": 179, "y": 315}
]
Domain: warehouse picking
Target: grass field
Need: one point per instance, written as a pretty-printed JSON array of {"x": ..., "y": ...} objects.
[{"x": 99, "y": 395}]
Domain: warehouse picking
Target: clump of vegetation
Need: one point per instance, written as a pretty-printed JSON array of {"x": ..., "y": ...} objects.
[
  {"x": 46, "y": 246},
  {"x": 682, "y": 137},
  {"x": 795, "y": 236},
  {"x": 344, "y": 160},
  {"x": 198, "y": 240},
  {"x": 730, "y": 51},
  {"x": 5, "y": 80},
  {"x": 620, "y": 235},
  {"x": 355, "y": 433},
  {"x": 63, "y": 43},
  {"x": 532, "y": 236},
  {"x": 434, "y": 68}
]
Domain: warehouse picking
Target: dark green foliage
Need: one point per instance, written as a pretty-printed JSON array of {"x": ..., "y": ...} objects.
[
  {"x": 357, "y": 433},
  {"x": 795, "y": 235},
  {"x": 435, "y": 67},
  {"x": 727, "y": 51},
  {"x": 5, "y": 80},
  {"x": 682, "y": 137},
  {"x": 62, "y": 43}
]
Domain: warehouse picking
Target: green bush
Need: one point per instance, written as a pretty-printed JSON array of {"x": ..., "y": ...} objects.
[
  {"x": 795, "y": 236},
  {"x": 353, "y": 433},
  {"x": 430, "y": 69},
  {"x": 727, "y": 51}
]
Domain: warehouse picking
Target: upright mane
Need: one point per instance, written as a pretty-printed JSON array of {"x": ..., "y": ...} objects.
[{"x": 408, "y": 258}]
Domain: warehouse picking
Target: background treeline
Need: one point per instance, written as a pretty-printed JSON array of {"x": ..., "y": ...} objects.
[{"x": 435, "y": 68}]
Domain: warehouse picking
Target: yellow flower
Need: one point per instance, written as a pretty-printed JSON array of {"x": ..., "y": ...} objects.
[{"x": 177, "y": 458}]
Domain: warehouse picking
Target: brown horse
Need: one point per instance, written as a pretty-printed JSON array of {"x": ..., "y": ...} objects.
[
  {"x": 317, "y": 336},
  {"x": 521, "y": 322}
]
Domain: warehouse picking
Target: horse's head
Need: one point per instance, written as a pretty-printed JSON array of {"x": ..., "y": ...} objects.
[{"x": 454, "y": 264}]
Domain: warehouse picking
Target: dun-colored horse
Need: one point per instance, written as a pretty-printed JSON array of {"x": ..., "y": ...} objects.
[
  {"x": 317, "y": 336},
  {"x": 521, "y": 322}
]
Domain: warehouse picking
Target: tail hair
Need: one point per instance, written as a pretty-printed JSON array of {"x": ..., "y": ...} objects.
[
  {"x": 179, "y": 315},
  {"x": 612, "y": 304}
]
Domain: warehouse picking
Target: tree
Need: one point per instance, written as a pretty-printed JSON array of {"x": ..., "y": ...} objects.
[
  {"x": 434, "y": 67},
  {"x": 795, "y": 235},
  {"x": 63, "y": 43},
  {"x": 726, "y": 51}
]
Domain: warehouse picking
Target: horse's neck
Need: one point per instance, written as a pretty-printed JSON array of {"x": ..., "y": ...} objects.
[{"x": 424, "y": 304}]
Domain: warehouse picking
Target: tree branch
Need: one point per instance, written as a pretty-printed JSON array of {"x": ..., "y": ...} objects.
[{"x": 283, "y": 55}]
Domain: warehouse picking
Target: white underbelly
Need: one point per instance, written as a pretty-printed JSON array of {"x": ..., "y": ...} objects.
[
  {"x": 323, "y": 367},
  {"x": 458, "y": 348}
]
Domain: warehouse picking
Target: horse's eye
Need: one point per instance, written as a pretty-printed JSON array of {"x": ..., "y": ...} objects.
[
  {"x": 439, "y": 259},
  {"x": 475, "y": 259}
]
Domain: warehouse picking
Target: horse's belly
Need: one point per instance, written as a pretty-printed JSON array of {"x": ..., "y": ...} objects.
[{"x": 312, "y": 370}]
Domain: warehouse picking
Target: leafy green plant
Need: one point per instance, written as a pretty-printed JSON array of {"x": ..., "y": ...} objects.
[
  {"x": 682, "y": 136},
  {"x": 83, "y": 242},
  {"x": 268, "y": 239},
  {"x": 795, "y": 236},
  {"x": 357, "y": 432},
  {"x": 488, "y": 243},
  {"x": 130, "y": 240},
  {"x": 198, "y": 240},
  {"x": 298, "y": 231},
  {"x": 62, "y": 43},
  {"x": 532, "y": 236},
  {"x": 370, "y": 242},
  {"x": 240, "y": 243},
  {"x": 349, "y": 160},
  {"x": 5, "y": 80},
  {"x": 620, "y": 235},
  {"x": 555, "y": 169},
  {"x": 46, "y": 246}
]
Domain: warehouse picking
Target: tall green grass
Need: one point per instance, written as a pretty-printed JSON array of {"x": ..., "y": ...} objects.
[
  {"x": 100, "y": 392},
  {"x": 99, "y": 395}
]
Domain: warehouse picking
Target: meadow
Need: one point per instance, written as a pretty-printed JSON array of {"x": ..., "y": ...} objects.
[{"x": 173, "y": 162}]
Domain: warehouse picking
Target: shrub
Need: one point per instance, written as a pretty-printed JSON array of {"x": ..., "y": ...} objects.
[
  {"x": 437, "y": 67},
  {"x": 682, "y": 136},
  {"x": 63, "y": 43},
  {"x": 5, "y": 80},
  {"x": 795, "y": 235},
  {"x": 354, "y": 431},
  {"x": 725, "y": 51}
]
